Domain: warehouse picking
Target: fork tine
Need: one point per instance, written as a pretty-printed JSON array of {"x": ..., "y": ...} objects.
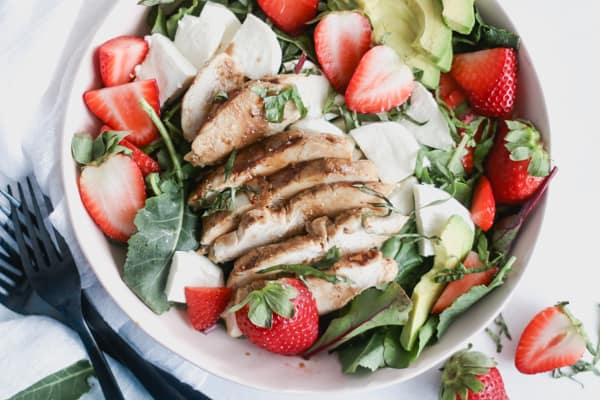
[
  {"x": 10, "y": 198},
  {"x": 20, "y": 239},
  {"x": 43, "y": 233}
]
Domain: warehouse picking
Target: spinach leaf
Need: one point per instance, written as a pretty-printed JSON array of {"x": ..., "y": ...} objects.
[
  {"x": 370, "y": 309},
  {"x": 69, "y": 383},
  {"x": 367, "y": 354},
  {"x": 484, "y": 36},
  {"x": 462, "y": 303}
]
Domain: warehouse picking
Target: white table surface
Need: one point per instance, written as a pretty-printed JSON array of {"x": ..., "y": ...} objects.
[{"x": 560, "y": 36}]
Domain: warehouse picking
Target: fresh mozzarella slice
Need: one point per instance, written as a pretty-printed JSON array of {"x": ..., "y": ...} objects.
[
  {"x": 256, "y": 48},
  {"x": 172, "y": 71},
  {"x": 423, "y": 108},
  {"x": 433, "y": 208},
  {"x": 221, "y": 73},
  {"x": 402, "y": 197},
  {"x": 189, "y": 268},
  {"x": 199, "y": 38},
  {"x": 317, "y": 125},
  {"x": 390, "y": 146}
]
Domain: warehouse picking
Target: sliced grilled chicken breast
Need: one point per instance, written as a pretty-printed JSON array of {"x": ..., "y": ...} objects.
[
  {"x": 239, "y": 122},
  {"x": 271, "y": 155},
  {"x": 272, "y": 189},
  {"x": 221, "y": 74},
  {"x": 363, "y": 270},
  {"x": 266, "y": 225},
  {"x": 352, "y": 231}
]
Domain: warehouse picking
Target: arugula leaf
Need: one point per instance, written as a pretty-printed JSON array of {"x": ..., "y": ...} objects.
[
  {"x": 304, "y": 270},
  {"x": 273, "y": 297},
  {"x": 69, "y": 383},
  {"x": 484, "y": 36},
  {"x": 165, "y": 225},
  {"x": 370, "y": 309},
  {"x": 89, "y": 151},
  {"x": 275, "y": 103},
  {"x": 506, "y": 230},
  {"x": 368, "y": 354},
  {"x": 462, "y": 303}
]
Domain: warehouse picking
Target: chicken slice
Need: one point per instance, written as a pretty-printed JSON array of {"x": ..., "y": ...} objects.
[
  {"x": 273, "y": 189},
  {"x": 221, "y": 74},
  {"x": 266, "y": 225},
  {"x": 362, "y": 270},
  {"x": 239, "y": 122},
  {"x": 352, "y": 231},
  {"x": 271, "y": 155}
]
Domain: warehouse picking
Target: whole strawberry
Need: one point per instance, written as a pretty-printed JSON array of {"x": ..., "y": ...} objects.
[
  {"x": 517, "y": 163},
  {"x": 489, "y": 79},
  {"x": 471, "y": 375},
  {"x": 281, "y": 317}
]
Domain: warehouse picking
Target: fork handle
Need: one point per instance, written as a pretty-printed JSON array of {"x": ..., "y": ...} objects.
[{"x": 108, "y": 383}]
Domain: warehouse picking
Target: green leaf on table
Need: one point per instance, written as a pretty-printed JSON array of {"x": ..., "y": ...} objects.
[
  {"x": 465, "y": 301},
  {"x": 89, "y": 151},
  {"x": 370, "y": 309},
  {"x": 165, "y": 225},
  {"x": 67, "y": 384}
]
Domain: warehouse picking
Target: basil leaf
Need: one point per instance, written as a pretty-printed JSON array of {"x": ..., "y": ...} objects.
[
  {"x": 368, "y": 354},
  {"x": 165, "y": 225},
  {"x": 275, "y": 103},
  {"x": 69, "y": 383},
  {"x": 370, "y": 309},
  {"x": 465, "y": 301}
]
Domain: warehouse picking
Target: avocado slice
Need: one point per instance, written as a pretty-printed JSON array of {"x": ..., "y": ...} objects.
[
  {"x": 459, "y": 15},
  {"x": 395, "y": 24},
  {"x": 435, "y": 36},
  {"x": 456, "y": 240}
]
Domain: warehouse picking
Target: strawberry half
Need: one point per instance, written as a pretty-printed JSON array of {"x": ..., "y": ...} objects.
[
  {"x": 553, "y": 339},
  {"x": 489, "y": 78},
  {"x": 205, "y": 305},
  {"x": 119, "y": 107},
  {"x": 381, "y": 82},
  {"x": 455, "y": 289},
  {"x": 483, "y": 205},
  {"x": 450, "y": 92},
  {"x": 146, "y": 163},
  {"x": 341, "y": 40},
  {"x": 290, "y": 15},
  {"x": 290, "y": 324},
  {"x": 112, "y": 193},
  {"x": 118, "y": 57}
]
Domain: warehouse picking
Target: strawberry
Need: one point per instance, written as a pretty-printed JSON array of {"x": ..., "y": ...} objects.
[
  {"x": 471, "y": 375},
  {"x": 118, "y": 57},
  {"x": 450, "y": 92},
  {"x": 205, "y": 305},
  {"x": 119, "y": 107},
  {"x": 468, "y": 160},
  {"x": 290, "y": 15},
  {"x": 457, "y": 288},
  {"x": 489, "y": 79},
  {"x": 146, "y": 163},
  {"x": 281, "y": 317},
  {"x": 112, "y": 193},
  {"x": 483, "y": 205},
  {"x": 381, "y": 82},
  {"x": 517, "y": 163},
  {"x": 341, "y": 40},
  {"x": 553, "y": 339}
]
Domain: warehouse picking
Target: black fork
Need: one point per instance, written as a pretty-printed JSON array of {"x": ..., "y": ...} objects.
[{"x": 51, "y": 271}]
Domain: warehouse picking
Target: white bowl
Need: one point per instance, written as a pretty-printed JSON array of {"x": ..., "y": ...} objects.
[{"x": 239, "y": 360}]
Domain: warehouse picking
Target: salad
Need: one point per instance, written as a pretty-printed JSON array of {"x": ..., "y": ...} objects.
[{"x": 344, "y": 176}]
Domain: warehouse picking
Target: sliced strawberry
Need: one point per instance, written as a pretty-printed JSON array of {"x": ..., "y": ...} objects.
[
  {"x": 489, "y": 78},
  {"x": 341, "y": 39},
  {"x": 119, "y": 107},
  {"x": 483, "y": 205},
  {"x": 455, "y": 289},
  {"x": 381, "y": 82},
  {"x": 290, "y": 15},
  {"x": 450, "y": 92},
  {"x": 112, "y": 193},
  {"x": 146, "y": 163},
  {"x": 553, "y": 339},
  {"x": 205, "y": 305},
  {"x": 118, "y": 57}
]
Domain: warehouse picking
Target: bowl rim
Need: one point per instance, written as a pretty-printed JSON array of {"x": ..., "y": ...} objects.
[{"x": 66, "y": 164}]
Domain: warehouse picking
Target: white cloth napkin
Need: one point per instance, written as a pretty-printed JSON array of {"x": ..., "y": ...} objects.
[{"x": 40, "y": 46}]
